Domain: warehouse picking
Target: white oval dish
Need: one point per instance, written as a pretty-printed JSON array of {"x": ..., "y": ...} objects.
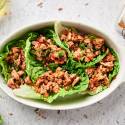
[{"x": 75, "y": 102}]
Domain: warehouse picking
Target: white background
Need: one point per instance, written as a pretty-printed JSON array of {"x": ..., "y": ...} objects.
[{"x": 101, "y": 13}]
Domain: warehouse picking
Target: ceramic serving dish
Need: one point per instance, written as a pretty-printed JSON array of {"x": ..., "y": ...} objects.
[{"x": 75, "y": 101}]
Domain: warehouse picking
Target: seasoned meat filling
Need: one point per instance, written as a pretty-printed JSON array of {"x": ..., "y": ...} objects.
[
  {"x": 47, "y": 52},
  {"x": 83, "y": 47},
  {"x": 99, "y": 75},
  {"x": 58, "y": 56},
  {"x": 17, "y": 60},
  {"x": 51, "y": 82}
]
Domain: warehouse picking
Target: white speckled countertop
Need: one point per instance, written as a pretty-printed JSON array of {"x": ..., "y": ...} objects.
[{"x": 103, "y": 14}]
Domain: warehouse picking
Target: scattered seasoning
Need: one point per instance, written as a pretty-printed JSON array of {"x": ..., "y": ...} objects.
[
  {"x": 40, "y": 113},
  {"x": 60, "y": 9},
  {"x": 77, "y": 121},
  {"x": 5, "y": 13},
  {"x": 8, "y": 13},
  {"x": 44, "y": 117},
  {"x": 86, "y": 4},
  {"x": 117, "y": 122},
  {"x": 79, "y": 15},
  {"x": 78, "y": 110},
  {"x": 40, "y": 4},
  {"x": 58, "y": 112},
  {"x": 10, "y": 114},
  {"x": 99, "y": 102},
  {"x": 65, "y": 112},
  {"x": 85, "y": 116},
  {"x": 36, "y": 110},
  {"x": 120, "y": 95},
  {"x": 103, "y": 113}
]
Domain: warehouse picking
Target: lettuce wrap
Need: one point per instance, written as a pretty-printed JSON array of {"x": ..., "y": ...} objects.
[{"x": 36, "y": 68}]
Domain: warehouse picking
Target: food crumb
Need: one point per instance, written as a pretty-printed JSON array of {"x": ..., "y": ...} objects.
[
  {"x": 120, "y": 95},
  {"x": 58, "y": 112},
  {"x": 60, "y": 9},
  {"x": 40, "y": 3},
  {"x": 8, "y": 13},
  {"x": 86, "y": 4},
  {"x": 85, "y": 116},
  {"x": 5, "y": 13},
  {"x": 65, "y": 112},
  {"x": 40, "y": 113},
  {"x": 99, "y": 102},
  {"x": 36, "y": 110},
  {"x": 103, "y": 113},
  {"x": 10, "y": 113},
  {"x": 79, "y": 15},
  {"x": 117, "y": 122}
]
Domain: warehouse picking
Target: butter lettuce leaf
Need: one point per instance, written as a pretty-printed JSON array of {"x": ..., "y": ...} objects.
[
  {"x": 97, "y": 90},
  {"x": 26, "y": 91},
  {"x": 111, "y": 75},
  {"x": 33, "y": 68},
  {"x": 4, "y": 67},
  {"x": 93, "y": 62},
  {"x": 116, "y": 66}
]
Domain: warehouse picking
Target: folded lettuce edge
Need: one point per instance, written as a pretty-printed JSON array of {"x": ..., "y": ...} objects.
[
  {"x": 111, "y": 75},
  {"x": 26, "y": 91}
]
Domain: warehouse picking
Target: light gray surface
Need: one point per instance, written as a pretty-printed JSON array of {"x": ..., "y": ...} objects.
[{"x": 103, "y": 14}]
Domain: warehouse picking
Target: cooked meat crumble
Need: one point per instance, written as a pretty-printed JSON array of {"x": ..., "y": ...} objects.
[
  {"x": 83, "y": 47},
  {"x": 17, "y": 60},
  {"x": 99, "y": 75},
  {"x": 47, "y": 52},
  {"x": 51, "y": 82}
]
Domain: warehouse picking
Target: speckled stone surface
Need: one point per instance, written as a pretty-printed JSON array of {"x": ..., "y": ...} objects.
[{"x": 101, "y": 13}]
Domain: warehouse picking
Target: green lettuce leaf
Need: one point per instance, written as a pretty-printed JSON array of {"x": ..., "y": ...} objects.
[
  {"x": 58, "y": 28},
  {"x": 53, "y": 66},
  {"x": 33, "y": 68},
  {"x": 26, "y": 91},
  {"x": 92, "y": 36},
  {"x": 4, "y": 67},
  {"x": 97, "y": 90},
  {"x": 93, "y": 62},
  {"x": 111, "y": 75},
  {"x": 116, "y": 66}
]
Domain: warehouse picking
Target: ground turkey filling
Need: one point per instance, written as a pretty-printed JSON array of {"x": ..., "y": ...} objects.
[
  {"x": 45, "y": 51},
  {"x": 51, "y": 82},
  {"x": 83, "y": 47},
  {"x": 16, "y": 60},
  {"x": 99, "y": 75}
]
